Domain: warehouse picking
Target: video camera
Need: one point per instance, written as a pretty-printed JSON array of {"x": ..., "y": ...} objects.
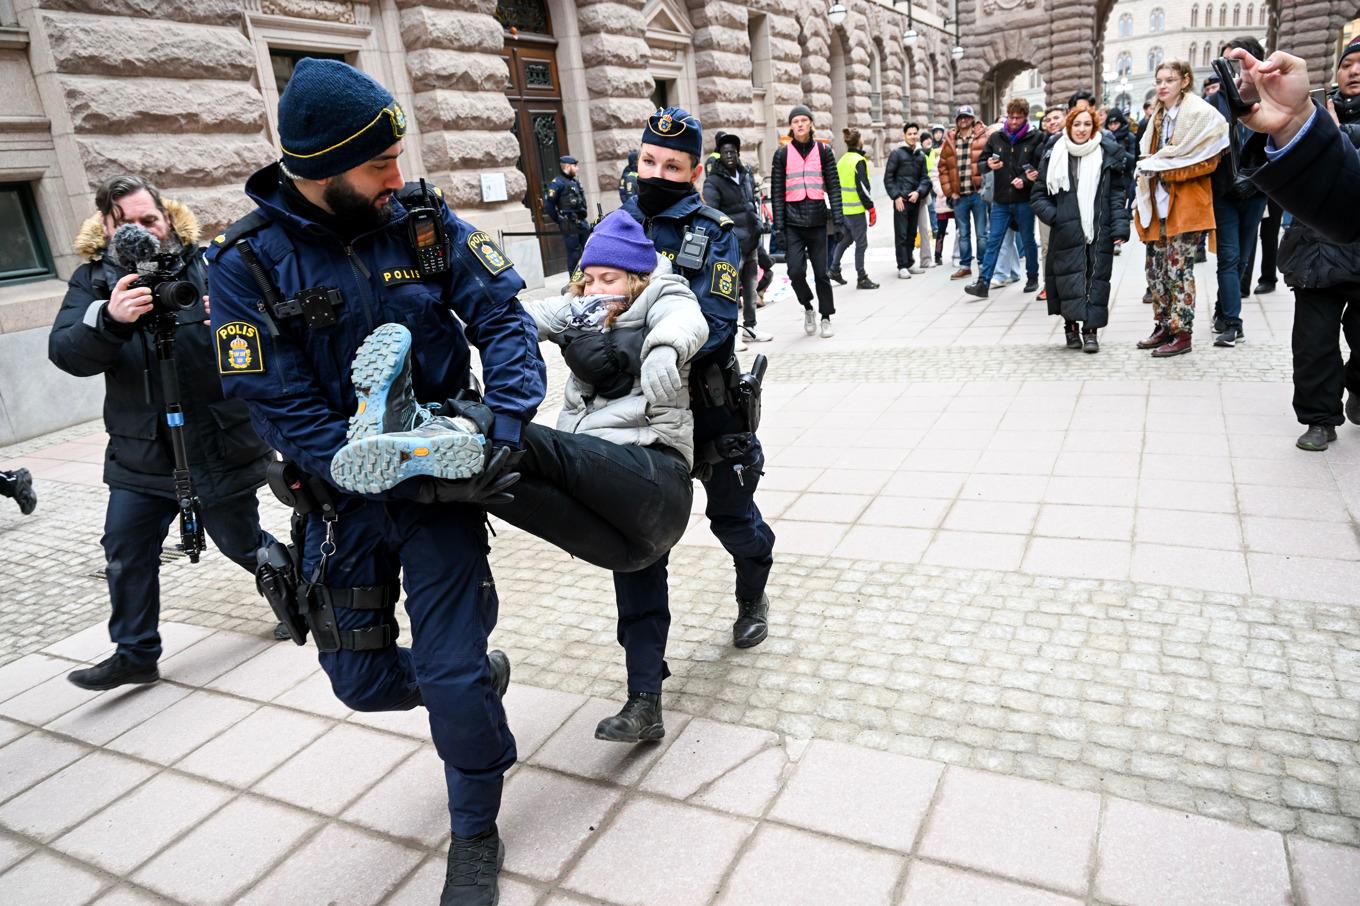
[{"x": 156, "y": 270}]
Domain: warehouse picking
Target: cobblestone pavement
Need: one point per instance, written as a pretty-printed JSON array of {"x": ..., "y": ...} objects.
[{"x": 1102, "y": 572}]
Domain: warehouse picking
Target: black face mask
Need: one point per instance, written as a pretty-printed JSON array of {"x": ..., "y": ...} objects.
[{"x": 656, "y": 195}]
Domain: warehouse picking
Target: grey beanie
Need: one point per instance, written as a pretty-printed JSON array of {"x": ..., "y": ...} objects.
[{"x": 799, "y": 110}]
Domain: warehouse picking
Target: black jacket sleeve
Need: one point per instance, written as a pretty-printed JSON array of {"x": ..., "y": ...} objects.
[
  {"x": 778, "y": 176},
  {"x": 1119, "y": 211},
  {"x": 1043, "y": 204},
  {"x": 1327, "y": 205},
  {"x": 862, "y": 185},
  {"x": 890, "y": 174},
  {"x": 84, "y": 340},
  {"x": 832, "y": 182}
]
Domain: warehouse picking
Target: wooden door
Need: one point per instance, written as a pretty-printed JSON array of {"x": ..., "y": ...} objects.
[{"x": 541, "y": 129}]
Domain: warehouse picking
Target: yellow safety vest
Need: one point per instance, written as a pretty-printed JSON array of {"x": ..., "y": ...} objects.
[{"x": 851, "y": 203}]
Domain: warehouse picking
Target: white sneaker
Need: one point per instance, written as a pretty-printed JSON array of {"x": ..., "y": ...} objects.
[
  {"x": 741, "y": 345},
  {"x": 751, "y": 335},
  {"x": 917, "y": 270},
  {"x": 903, "y": 273},
  {"x": 827, "y": 331},
  {"x": 809, "y": 322}
]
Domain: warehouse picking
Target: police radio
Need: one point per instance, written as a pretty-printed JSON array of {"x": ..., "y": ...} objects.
[{"x": 429, "y": 238}]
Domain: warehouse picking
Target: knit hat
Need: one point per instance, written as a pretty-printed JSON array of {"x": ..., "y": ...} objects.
[
  {"x": 729, "y": 138},
  {"x": 332, "y": 118},
  {"x": 677, "y": 129},
  {"x": 1352, "y": 47},
  {"x": 798, "y": 111},
  {"x": 618, "y": 241}
]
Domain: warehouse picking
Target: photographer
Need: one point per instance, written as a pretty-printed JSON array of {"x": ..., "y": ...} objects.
[
  {"x": 1298, "y": 139},
  {"x": 105, "y": 326}
]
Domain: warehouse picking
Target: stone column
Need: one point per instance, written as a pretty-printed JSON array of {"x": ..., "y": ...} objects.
[
  {"x": 722, "y": 64},
  {"x": 614, "y": 53},
  {"x": 1310, "y": 29}
]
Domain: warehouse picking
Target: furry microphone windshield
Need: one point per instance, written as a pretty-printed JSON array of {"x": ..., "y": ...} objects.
[{"x": 135, "y": 247}]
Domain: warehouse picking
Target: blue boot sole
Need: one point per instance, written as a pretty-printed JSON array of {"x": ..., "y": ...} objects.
[
  {"x": 372, "y": 465},
  {"x": 381, "y": 378}
]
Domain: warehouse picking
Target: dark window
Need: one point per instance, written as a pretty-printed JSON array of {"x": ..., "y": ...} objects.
[
  {"x": 285, "y": 61},
  {"x": 537, "y": 75},
  {"x": 23, "y": 247},
  {"x": 524, "y": 15}
]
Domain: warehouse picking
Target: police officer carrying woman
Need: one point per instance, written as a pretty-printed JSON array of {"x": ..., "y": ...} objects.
[
  {"x": 298, "y": 285},
  {"x": 700, "y": 242}
]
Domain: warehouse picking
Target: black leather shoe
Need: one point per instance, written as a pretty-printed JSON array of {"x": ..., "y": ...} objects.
[
  {"x": 1316, "y": 438},
  {"x": 1263, "y": 287},
  {"x": 471, "y": 876},
  {"x": 113, "y": 672},
  {"x": 752, "y": 625},
  {"x": 977, "y": 288},
  {"x": 866, "y": 283},
  {"x": 500, "y": 672},
  {"x": 639, "y": 721},
  {"x": 837, "y": 278},
  {"x": 1353, "y": 408},
  {"x": 1032, "y": 285}
]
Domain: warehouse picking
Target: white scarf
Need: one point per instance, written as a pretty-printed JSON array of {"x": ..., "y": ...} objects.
[
  {"x": 1088, "y": 176},
  {"x": 1201, "y": 133}
]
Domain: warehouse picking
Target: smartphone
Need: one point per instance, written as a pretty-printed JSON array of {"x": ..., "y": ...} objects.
[{"x": 1228, "y": 72}]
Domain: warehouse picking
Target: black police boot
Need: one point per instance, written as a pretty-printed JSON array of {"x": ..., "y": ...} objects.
[
  {"x": 639, "y": 721},
  {"x": 836, "y": 277},
  {"x": 752, "y": 625},
  {"x": 471, "y": 876},
  {"x": 1032, "y": 285},
  {"x": 977, "y": 288},
  {"x": 1316, "y": 438},
  {"x": 500, "y": 672},
  {"x": 111, "y": 673}
]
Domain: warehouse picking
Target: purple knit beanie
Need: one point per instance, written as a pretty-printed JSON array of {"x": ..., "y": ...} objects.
[{"x": 618, "y": 241}]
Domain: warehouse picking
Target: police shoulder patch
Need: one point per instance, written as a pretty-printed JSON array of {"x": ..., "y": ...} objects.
[
  {"x": 485, "y": 250},
  {"x": 238, "y": 349},
  {"x": 725, "y": 280}
]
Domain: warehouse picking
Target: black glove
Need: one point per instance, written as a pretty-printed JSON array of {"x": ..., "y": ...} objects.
[{"x": 488, "y": 487}]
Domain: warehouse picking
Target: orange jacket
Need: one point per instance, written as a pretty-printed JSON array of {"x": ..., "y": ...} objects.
[{"x": 1191, "y": 208}]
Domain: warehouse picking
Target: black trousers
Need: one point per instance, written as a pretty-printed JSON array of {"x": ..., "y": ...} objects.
[
  {"x": 750, "y": 266},
  {"x": 134, "y": 530},
  {"x": 800, "y": 245},
  {"x": 905, "y": 224},
  {"x": 1320, "y": 376},
  {"x": 617, "y": 506}
]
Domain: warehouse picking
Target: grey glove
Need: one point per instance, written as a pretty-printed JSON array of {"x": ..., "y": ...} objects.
[{"x": 661, "y": 376}]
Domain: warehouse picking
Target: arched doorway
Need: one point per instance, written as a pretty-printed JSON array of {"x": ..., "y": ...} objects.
[
  {"x": 540, "y": 125},
  {"x": 996, "y": 88}
]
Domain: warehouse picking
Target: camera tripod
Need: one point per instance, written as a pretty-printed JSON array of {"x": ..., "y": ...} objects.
[{"x": 190, "y": 521}]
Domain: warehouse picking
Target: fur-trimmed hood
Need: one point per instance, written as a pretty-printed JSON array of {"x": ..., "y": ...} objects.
[{"x": 91, "y": 241}]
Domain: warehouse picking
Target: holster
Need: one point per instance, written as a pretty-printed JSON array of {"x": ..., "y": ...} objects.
[
  {"x": 740, "y": 394},
  {"x": 326, "y": 629}
]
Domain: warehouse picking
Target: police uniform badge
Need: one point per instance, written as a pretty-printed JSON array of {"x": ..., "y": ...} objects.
[
  {"x": 238, "y": 349},
  {"x": 486, "y": 251},
  {"x": 398, "y": 120},
  {"x": 724, "y": 282},
  {"x": 663, "y": 125}
]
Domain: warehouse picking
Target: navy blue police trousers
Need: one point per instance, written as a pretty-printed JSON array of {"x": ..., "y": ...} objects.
[
  {"x": 450, "y": 596},
  {"x": 644, "y": 615}
]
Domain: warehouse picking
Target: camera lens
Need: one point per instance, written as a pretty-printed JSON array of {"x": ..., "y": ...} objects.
[{"x": 175, "y": 294}]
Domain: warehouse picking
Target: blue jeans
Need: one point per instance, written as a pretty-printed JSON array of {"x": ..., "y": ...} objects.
[
  {"x": 1237, "y": 222},
  {"x": 970, "y": 206},
  {"x": 1008, "y": 262},
  {"x": 1005, "y": 215}
]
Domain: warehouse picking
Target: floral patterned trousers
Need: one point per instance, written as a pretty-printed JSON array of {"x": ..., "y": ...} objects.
[{"x": 1170, "y": 270}]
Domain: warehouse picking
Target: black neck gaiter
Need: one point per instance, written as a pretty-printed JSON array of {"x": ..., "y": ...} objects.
[{"x": 656, "y": 195}]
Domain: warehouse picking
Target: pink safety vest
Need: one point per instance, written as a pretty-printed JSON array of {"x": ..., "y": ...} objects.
[{"x": 803, "y": 175}]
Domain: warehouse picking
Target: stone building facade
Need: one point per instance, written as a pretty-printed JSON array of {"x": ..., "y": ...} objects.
[{"x": 185, "y": 91}]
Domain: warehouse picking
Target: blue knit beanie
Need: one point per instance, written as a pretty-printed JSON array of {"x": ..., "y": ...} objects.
[
  {"x": 675, "y": 128},
  {"x": 332, "y": 118},
  {"x": 618, "y": 241}
]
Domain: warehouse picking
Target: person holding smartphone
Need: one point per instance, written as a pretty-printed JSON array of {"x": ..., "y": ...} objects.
[{"x": 1012, "y": 156}]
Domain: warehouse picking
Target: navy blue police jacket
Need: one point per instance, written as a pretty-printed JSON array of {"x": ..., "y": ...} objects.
[
  {"x": 296, "y": 383},
  {"x": 552, "y": 200},
  {"x": 717, "y": 285}
]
